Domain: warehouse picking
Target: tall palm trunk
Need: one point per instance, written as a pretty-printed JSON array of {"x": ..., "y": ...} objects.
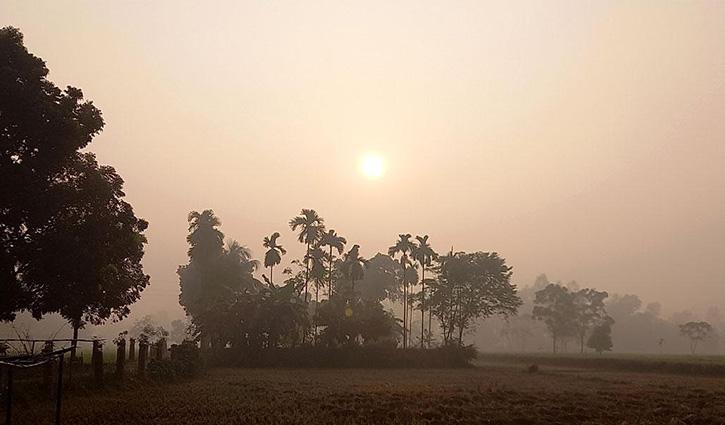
[
  {"x": 422, "y": 310},
  {"x": 307, "y": 279},
  {"x": 271, "y": 275},
  {"x": 405, "y": 306},
  {"x": 329, "y": 278}
]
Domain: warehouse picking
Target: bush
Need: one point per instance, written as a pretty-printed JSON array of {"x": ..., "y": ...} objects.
[
  {"x": 184, "y": 363},
  {"x": 379, "y": 355}
]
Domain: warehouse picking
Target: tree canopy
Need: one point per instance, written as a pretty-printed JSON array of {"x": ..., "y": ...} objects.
[{"x": 70, "y": 244}]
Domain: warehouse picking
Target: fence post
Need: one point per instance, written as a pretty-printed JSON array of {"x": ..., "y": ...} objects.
[
  {"x": 143, "y": 350},
  {"x": 97, "y": 361},
  {"x": 120, "y": 356},
  {"x": 48, "y": 368},
  {"x": 131, "y": 349}
]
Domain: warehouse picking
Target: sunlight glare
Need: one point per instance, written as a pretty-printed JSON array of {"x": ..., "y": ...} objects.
[{"x": 372, "y": 166}]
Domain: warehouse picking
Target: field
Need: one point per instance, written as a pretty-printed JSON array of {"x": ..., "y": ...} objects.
[{"x": 492, "y": 393}]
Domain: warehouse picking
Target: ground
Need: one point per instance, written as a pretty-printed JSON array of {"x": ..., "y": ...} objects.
[{"x": 487, "y": 394}]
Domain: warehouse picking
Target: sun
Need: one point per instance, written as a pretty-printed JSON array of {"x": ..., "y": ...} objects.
[{"x": 371, "y": 166}]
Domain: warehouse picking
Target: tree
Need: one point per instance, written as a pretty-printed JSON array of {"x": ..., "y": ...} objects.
[
  {"x": 469, "y": 287},
  {"x": 403, "y": 246},
  {"x": 353, "y": 266},
  {"x": 590, "y": 312},
  {"x": 554, "y": 305},
  {"x": 601, "y": 338},
  {"x": 69, "y": 243},
  {"x": 423, "y": 253},
  {"x": 356, "y": 321},
  {"x": 214, "y": 278},
  {"x": 274, "y": 253},
  {"x": 333, "y": 241},
  {"x": 696, "y": 332},
  {"x": 311, "y": 227}
]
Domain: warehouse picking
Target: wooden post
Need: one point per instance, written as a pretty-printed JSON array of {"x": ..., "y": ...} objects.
[
  {"x": 60, "y": 389},
  {"x": 97, "y": 361},
  {"x": 120, "y": 356},
  {"x": 132, "y": 349},
  {"x": 48, "y": 368},
  {"x": 143, "y": 350}
]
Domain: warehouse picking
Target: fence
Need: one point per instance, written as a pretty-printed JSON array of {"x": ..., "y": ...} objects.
[{"x": 48, "y": 356}]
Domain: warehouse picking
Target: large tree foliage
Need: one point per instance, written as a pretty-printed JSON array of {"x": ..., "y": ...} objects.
[
  {"x": 355, "y": 322},
  {"x": 590, "y": 312},
  {"x": 570, "y": 314},
  {"x": 469, "y": 287},
  {"x": 554, "y": 306},
  {"x": 601, "y": 338},
  {"x": 214, "y": 277},
  {"x": 69, "y": 243}
]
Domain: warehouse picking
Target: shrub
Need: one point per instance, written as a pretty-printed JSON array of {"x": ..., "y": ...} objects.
[
  {"x": 184, "y": 363},
  {"x": 377, "y": 355}
]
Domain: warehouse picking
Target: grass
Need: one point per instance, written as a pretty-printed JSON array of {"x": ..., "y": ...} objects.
[
  {"x": 679, "y": 364},
  {"x": 493, "y": 394}
]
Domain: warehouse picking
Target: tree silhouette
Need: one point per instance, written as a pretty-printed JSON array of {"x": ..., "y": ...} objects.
[
  {"x": 424, "y": 254},
  {"x": 601, "y": 338},
  {"x": 554, "y": 305},
  {"x": 469, "y": 287},
  {"x": 403, "y": 246},
  {"x": 214, "y": 278},
  {"x": 590, "y": 312},
  {"x": 311, "y": 227},
  {"x": 353, "y": 266},
  {"x": 274, "y": 253},
  {"x": 69, "y": 244},
  {"x": 696, "y": 332},
  {"x": 332, "y": 240}
]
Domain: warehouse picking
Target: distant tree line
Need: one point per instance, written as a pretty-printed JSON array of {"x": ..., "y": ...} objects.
[
  {"x": 229, "y": 307},
  {"x": 564, "y": 317}
]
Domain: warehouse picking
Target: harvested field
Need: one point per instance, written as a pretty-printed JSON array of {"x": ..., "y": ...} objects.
[{"x": 488, "y": 395}]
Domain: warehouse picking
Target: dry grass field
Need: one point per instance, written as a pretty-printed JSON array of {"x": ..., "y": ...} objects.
[{"x": 489, "y": 394}]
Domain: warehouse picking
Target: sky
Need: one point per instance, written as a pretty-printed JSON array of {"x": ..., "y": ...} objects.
[{"x": 584, "y": 140}]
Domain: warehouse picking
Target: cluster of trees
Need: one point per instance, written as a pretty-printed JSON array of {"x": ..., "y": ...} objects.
[
  {"x": 229, "y": 307},
  {"x": 69, "y": 243},
  {"x": 574, "y": 314},
  {"x": 640, "y": 328}
]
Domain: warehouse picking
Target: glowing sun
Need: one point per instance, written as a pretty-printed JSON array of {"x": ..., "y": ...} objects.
[{"x": 372, "y": 166}]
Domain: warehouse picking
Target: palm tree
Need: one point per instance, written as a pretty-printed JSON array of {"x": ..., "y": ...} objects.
[
  {"x": 205, "y": 240},
  {"x": 403, "y": 247},
  {"x": 332, "y": 240},
  {"x": 311, "y": 227},
  {"x": 353, "y": 266},
  {"x": 274, "y": 254},
  {"x": 316, "y": 259},
  {"x": 423, "y": 253}
]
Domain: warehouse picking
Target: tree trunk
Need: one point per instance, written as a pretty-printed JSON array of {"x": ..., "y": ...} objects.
[
  {"x": 553, "y": 339},
  {"x": 329, "y": 279},
  {"x": 460, "y": 335},
  {"x": 405, "y": 306},
  {"x": 307, "y": 279},
  {"x": 271, "y": 275},
  {"x": 422, "y": 310}
]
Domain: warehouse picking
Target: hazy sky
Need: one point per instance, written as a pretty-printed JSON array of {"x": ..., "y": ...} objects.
[{"x": 581, "y": 139}]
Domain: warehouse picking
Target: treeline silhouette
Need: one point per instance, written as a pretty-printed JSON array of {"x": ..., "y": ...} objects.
[{"x": 333, "y": 297}]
